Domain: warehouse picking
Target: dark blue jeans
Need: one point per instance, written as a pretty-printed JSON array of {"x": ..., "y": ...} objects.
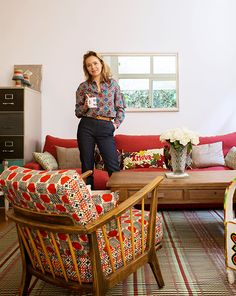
[{"x": 93, "y": 131}]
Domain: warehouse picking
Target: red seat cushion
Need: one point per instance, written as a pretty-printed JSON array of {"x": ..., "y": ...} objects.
[{"x": 100, "y": 179}]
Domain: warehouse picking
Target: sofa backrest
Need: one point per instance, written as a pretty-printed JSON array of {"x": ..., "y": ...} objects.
[
  {"x": 134, "y": 143},
  {"x": 228, "y": 140},
  {"x": 51, "y": 143}
]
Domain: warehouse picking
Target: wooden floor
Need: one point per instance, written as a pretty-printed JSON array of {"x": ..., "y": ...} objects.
[{"x": 3, "y": 222}]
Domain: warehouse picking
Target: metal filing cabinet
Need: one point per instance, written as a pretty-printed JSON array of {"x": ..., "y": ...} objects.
[{"x": 20, "y": 124}]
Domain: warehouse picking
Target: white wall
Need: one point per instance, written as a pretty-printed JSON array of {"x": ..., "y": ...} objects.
[{"x": 56, "y": 34}]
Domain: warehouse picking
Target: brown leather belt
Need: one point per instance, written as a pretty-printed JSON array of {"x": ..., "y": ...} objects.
[{"x": 103, "y": 118}]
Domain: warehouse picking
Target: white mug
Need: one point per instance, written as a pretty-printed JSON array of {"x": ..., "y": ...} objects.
[{"x": 92, "y": 102}]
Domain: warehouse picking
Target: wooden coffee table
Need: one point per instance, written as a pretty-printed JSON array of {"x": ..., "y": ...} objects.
[{"x": 201, "y": 189}]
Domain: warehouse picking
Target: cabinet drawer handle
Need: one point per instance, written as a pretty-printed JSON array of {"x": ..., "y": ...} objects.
[
  {"x": 8, "y": 144},
  {"x": 9, "y": 96},
  {"x": 8, "y": 103},
  {"x": 8, "y": 151}
]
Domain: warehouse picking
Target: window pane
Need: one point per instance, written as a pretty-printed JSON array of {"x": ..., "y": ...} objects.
[
  {"x": 133, "y": 65},
  {"x": 164, "y": 64},
  {"x": 135, "y": 92},
  {"x": 164, "y": 94}
]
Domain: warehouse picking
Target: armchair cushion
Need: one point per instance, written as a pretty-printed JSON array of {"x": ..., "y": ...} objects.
[
  {"x": 105, "y": 201},
  {"x": 61, "y": 191},
  {"x": 113, "y": 237}
]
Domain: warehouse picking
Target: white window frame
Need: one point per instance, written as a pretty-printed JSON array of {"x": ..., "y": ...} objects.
[{"x": 150, "y": 76}]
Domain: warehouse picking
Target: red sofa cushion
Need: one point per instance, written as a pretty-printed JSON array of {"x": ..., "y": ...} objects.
[
  {"x": 100, "y": 178},
  {"x": 33, "y": 166},
  {"x": 51, "y": 143},
  {"x": 134, "y": 143},
  {"x": 229, "y": 140}
]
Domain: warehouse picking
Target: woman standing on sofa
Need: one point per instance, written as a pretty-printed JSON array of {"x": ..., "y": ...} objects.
[{"x": 100, "y": 105}]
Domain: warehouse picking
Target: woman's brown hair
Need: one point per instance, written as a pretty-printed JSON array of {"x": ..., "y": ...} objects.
[{"x": 105, "y": 74}]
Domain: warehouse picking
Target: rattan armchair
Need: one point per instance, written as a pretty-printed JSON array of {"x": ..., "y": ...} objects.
[{"x": 44, "y": 256}]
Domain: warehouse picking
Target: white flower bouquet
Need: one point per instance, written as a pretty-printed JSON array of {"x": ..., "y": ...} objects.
[{"x": 178, "y": 138}]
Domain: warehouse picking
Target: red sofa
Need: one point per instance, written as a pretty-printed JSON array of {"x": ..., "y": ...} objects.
[
  {"x": 100, "y": 177},
  {"x": 132, "y": 143}
]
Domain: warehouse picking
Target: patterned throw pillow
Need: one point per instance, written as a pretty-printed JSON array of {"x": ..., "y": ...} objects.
[
  {"x": 230, "y": 159},
  {"x": 144, "y": 159},
  {"x": 68, "y": 158},
  {"x": 46, "y": 160}
]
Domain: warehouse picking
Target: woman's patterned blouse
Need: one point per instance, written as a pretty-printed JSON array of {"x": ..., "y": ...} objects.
[{"x": 110, "y": 101}]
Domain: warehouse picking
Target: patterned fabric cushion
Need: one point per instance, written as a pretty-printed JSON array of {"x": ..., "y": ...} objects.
[
  {"x": 68, "y": 158},
  {"x": 61, "y": 191},
  {"x": 230, "y": 159},
  {"x": 46, "y": 160},
  {"x": 144, "y": 159},
  {"x": 104, "y": 202},
  {"x": 127, "y": 239}
]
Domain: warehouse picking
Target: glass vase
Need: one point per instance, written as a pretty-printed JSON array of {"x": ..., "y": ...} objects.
[{"x": 178, "y": 159}]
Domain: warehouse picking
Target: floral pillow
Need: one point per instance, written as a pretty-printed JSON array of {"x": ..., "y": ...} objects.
[{"x": 152, "y": 158}]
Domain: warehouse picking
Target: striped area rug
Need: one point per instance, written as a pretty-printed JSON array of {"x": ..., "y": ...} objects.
[{"x": 191, "y": 260}]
